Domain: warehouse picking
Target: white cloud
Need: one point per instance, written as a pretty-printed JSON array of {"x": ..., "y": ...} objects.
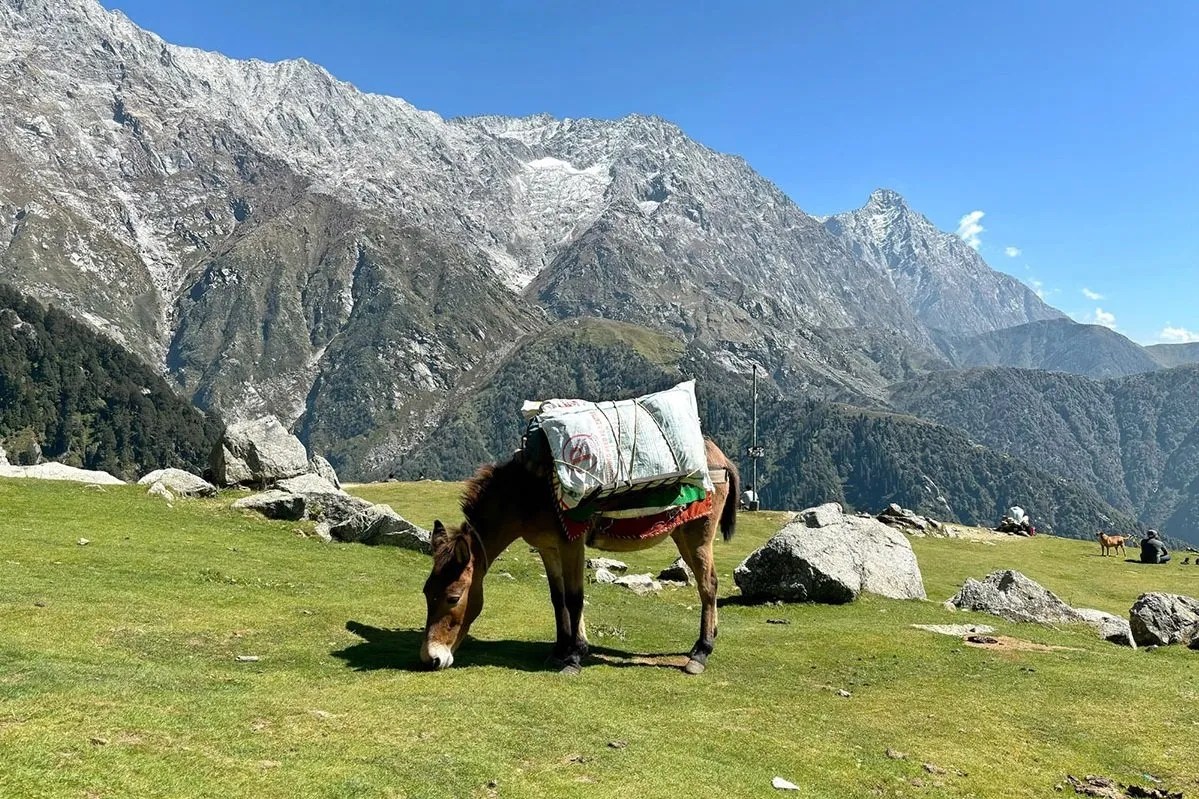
[
  {"x": 1038, "y": 287},
  {"x": 969, "y": 228},
  {"x": 1012, "y": 252},
  {"x": 1102, "y": 317},
  {"x": 1092, "y": 295},
  {"x": 1177, "y": 335}
]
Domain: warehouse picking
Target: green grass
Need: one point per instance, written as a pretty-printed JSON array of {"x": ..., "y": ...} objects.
[{"x": 118, "y": 675}]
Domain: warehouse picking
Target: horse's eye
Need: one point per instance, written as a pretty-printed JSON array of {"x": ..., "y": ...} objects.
[{"x": 452, "y": 600}]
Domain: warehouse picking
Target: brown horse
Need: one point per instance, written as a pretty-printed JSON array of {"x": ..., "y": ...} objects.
[
  {"x": 516, "y": 500},
  {"x": 1110, "y": 542}
]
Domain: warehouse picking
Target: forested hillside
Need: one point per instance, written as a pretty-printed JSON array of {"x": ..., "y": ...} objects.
[
  {"x": 1134, "y": 439},
  {"x": 73, "y": 396},
  {"x": 816, "y": 451}
]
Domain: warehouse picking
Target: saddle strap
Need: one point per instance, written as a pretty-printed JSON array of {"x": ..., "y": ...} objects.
[{"x": 718, "y": 476}]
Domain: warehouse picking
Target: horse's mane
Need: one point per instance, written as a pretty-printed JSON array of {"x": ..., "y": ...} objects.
[{"x": 515, "y": 485}]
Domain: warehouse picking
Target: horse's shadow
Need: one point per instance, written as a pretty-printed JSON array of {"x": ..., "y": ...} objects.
[{"x": 400, "y": 649}]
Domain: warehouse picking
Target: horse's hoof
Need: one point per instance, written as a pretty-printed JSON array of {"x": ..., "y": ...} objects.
[
  {"x": 571, "y": 670},
  {"x": 694, "y": 667}
]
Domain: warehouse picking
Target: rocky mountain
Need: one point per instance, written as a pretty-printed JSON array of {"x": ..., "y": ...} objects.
[
  {"x": 274, "y": 240},
  {"x": 816, "y": 451},
  {"x": 942, "y": 278},
  {"x": 70, "y": 395},
  {"x": 1053, "y": 345},
  {"x": 1134, "y": 440},
  {"x": 1171, "y": 355}
]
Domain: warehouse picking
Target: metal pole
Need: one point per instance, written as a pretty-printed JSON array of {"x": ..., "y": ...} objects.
[{"x": 757, "y": 492}]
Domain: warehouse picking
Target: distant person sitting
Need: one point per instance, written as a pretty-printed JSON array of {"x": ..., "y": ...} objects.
[
  {"x": 749, "y": 498},
  {"x": 1153, "y": 550}
]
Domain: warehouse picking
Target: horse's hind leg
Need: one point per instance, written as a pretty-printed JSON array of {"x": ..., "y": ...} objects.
[{"x": 696, "y": 549}]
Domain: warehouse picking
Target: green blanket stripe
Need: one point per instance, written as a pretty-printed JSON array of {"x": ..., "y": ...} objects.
[{"x": 664, "y": 496}]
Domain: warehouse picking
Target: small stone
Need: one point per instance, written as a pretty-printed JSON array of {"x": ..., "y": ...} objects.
[
  {"x": 843, "y": 693},
  {"x": 83, "y": 542},
  {"x": 778, "y": 621},
  {"x": 39, "y": 604},
  {"x": 604, "y": 577},
  {"x": 99, "y": 741},
  {"x": 610, "y": 564},
  {"x": 894, "y": 755},
  {"x": 640, "y": 584},
  {"x": 932, "y": 768},
  {"x": 780, "y": 784},
  {"x": 248, "y": 658},
  {"x": 677, "y": 572},
  {"x": 617, "y": 744}
]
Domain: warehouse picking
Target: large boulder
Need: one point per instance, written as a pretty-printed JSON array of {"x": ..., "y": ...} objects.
[
  {"x": 1161, "y": 619},
  {"x": 1012, "y": 596},
  {"x": 1110, "y": 628},
  {"x": 380, "y": 525},
  {"x": 833, "y": 562},
  {"x": 59, "y": 471},
  {"x": 274, "y": 504},
  {"x": 257, "y": 452},
  {"x": 322, "y": 501},
  {"x": 320, "y": 466},
  {"x": 180, "y": 483}
]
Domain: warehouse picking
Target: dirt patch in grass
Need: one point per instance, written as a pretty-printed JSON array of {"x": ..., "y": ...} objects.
[{"x": 1005, "y": 643}]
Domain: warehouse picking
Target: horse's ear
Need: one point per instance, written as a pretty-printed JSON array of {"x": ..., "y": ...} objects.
[
  {"x": 438, "y": 534},
  {"x": 462, "y": 550}
]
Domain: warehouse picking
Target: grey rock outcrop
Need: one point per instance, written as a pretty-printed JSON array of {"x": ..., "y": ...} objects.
[
  {"x": 823, "y": 515},
  {"x": 179, "y": 482},
  {"x": 274, "y": 504},
  {"x": 611, "y": 564},
  {"x": 1110, "y": 628},
  {"x": 1160, "y": 619},
  {"x": 640, "y": 584},
  {"x": 322, "y": 502},
  {"x": 677, "y": 572},
  {"x": 380, "y": 525},
  {"x": 1012, "y": 596},
  {"x": 59, "y": 471},
  {"x": 321, "y": 467},
  {"x": 833, "y": 563},
  {"x": 161, "y": 491},
  {"x": 257, "y": 452}
]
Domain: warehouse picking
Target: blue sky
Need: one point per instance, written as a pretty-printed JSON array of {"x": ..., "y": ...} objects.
[{"x": 1072, "y": 127}]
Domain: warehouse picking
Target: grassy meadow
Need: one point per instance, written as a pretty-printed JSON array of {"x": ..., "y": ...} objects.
[{"x": 119, "y": 671}]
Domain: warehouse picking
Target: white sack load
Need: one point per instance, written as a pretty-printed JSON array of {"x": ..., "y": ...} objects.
[{"x": 606, "y": 448}]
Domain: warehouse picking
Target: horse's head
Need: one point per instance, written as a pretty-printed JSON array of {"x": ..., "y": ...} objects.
[{"x": 453, "y": 592}]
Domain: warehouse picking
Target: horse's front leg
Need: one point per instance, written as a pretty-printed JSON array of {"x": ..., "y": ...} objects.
[
  {"x": 573, "y": 557},
  {"x": 564, "y": 637}
]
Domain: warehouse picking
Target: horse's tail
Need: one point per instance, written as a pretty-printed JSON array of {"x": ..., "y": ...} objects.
[{"x": 728, "y": 514}]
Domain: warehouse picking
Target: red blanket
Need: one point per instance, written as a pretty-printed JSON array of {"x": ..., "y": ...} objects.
[{"x": 639, "y": 528}]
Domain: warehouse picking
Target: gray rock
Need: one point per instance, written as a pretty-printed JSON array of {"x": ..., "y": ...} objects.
[
  {"x": 1159, "y": 619},
  {"x": 1110, "y": 628},
  {"x": 319, "y": 466},
  {"x": 159, "y": 490},
  {"x": 1012, "y": 596},
  {"x": 959, "y": 630},
  {"x": 823, "y": 515},
  {"x": 677, "y": 572},
  {"x": 380, "y": 525},
  {"x": 322, "y": 501},
  {"x": 257, "y": 452},
  {"x": 603, "y": 576},
  {"x": 610, "y": 564},
  {"x": 322, "y": 531},
  {"x": 59, "y": 471},
  {"x": 181, "y": 483},
  {"x": 640, "y": 584},
  {"x": 832, "y": 564},
  {"x": 274, "y": 505}
]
